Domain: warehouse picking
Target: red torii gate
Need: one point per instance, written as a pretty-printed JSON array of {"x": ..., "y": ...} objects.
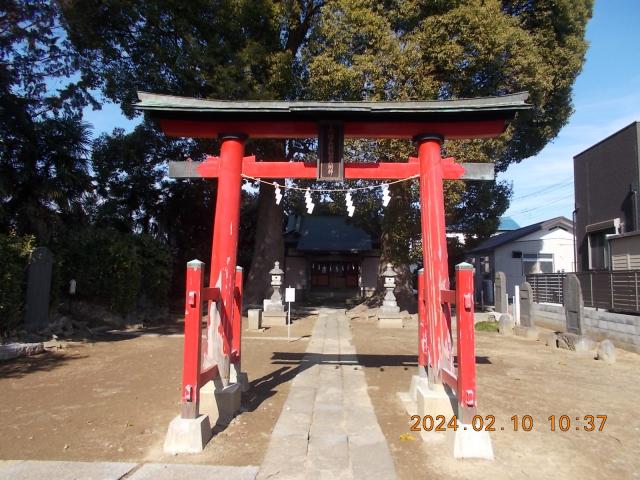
[{"x": 233, "y": 122}]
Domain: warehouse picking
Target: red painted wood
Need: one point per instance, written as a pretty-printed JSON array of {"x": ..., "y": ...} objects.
[
  {"x": 448, "y": 296},
  {"x": 209, "y": 374},
  {"x": 282, "y": 169},
  {"x": 449, "y": 378},
  {"x": 210, "y": 294},
  {"x": 292, "y": 129},
  {"x": 422, "y": 323},
  {"x": 225, "y": 242},
  {"x": 192, "y": 336},
  {"x": 210, "y": 168},
  {"x": 237, "y": 319},
  {"x": 465, "y": 337},
  {"x": 434, "y": 248}
]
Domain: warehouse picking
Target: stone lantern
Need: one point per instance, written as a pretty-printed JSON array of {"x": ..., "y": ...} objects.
[
  {"x": 276, "y": 282},
  {"x": 389, "y": 314},
  {"x": 273, "y": 309}
]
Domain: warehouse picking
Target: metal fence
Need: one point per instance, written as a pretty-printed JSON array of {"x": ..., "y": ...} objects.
[
  {"x": 547, "y": 287},
  {"x": 615, "y": 291}
]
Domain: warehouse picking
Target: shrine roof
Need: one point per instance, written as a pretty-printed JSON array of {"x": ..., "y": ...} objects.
[
  {"x": 171, "y": 103},
  {"x": 185, "y": 116}
]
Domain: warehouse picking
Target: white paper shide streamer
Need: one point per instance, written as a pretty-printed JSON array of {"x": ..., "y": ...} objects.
[
  {"x": 386, "y": 198},
  {"x": 278, "y": 193},
  {"x": 350, "y": 208},
  {"x": 309, "y": 201}
]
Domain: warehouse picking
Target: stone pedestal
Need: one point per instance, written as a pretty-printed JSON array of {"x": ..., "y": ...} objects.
[
  {"x": 389, "y": 315},
  {"x": 220, "y": 404},
  {"x": 255, "y": 319},
  {"x": 435, "y": 400},
  {"x": 187, "y": 435},
  {"x": 274, "y": 314},
  {"x": 467, "y": 443}
]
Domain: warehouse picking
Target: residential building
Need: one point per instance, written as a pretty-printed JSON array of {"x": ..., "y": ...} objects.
[
  {"x": 607, "y": 178},
  {"x": 544, "y": 247}
]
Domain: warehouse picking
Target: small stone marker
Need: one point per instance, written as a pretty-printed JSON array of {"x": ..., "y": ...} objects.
[
  {"x": 573, "y": 303},
  {"x": 526, "y": 299},
  {"x": 505, "y": 324},
  {"x": 255, "y": 319},
  {"x": 607, "y": 352},
  {"x": 38, "y": 289},
  {"x": 499, "y": 292}
]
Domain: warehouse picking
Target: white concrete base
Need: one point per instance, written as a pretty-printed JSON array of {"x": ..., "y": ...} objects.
[
  {"x": 390, "y": 322},
  {"x": 228, "y": 403},
  {"x": 467, "y": 443},
  {"x": 274, "y": 319},
  {"x": 417, "y": 381},
  {"x": 242, "y": 379},
  {"x": 223, "y": 404},
  {"x": 434, "y": 401},
  {"x": 186, "y": 435}
]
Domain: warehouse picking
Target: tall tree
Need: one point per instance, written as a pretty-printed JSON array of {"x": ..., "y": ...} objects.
[
  {"x": 43, "y": 142},
  {"x": 348, "y": 50}
]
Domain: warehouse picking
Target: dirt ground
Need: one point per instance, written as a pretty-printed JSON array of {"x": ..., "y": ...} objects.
[
  {"x": 112, "y": 399},
  {"x": 515, "y": 377}
]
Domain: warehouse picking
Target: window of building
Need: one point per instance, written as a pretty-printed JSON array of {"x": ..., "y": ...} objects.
[{"x": 537, "y": 263}]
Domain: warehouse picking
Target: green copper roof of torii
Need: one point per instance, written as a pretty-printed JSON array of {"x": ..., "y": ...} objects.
[{"x": 169, "y": 103}]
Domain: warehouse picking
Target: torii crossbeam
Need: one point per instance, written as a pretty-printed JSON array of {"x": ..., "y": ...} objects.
[{"x": 217, "y": 356}]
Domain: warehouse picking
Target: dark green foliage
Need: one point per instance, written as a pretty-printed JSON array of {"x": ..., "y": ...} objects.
[
  {"x": 113, "y": 268},
  {"x": 14, "y": 260},
  {"x": 44, "y": 145}
]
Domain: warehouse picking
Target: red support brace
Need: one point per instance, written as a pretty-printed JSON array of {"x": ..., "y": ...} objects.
[
  {"x": 422, "y": 324},
  {"x": 192, "y": 340},
  {"x": 465, "y": 343},
  {"x": 237, "y": 320}
]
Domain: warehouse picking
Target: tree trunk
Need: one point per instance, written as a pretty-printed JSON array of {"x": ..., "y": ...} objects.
[
  {"x": 398, "y": 227},
  {"x": 268, "y": 247}
]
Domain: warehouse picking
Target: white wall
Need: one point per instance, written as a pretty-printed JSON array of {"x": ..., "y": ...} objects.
[{"x": 558, "y": 242}]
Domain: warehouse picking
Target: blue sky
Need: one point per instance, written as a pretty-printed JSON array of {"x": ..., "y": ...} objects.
[{"x": 606, "y": 99}]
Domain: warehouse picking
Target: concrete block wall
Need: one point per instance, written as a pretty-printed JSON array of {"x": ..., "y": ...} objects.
[{"x": 622, "y": 330}]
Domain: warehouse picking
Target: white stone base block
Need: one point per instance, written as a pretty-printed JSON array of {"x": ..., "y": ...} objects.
[
  {"x": 390, "y": 322},
  {"x": 186, "y": 435},
  {"x": 417, "y": 381},
  {"x": 223, "y": 404},
  {"x": 467, "y": 443},
  {"x": 228, "y": 403},
  {"x": 433, "y": 401},
  {"x": 242, "y": 379},
  {"x": 274, "y": 319}
]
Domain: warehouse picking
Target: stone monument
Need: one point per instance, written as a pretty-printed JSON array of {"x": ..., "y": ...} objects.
[
  {"x": 38, "y": 289},
  {"x": 500, "y": 292},
  {"x": 573, "y": 303},
  {"x": 389, "y": 313},
  {"x": 526, "y": 328},
  {"x": 273, "y": 314}
]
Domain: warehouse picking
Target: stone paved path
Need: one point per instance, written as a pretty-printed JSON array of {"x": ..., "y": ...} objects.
[
  {"x": 328, "y": 428},
  {"x": 39, "y": 470}
]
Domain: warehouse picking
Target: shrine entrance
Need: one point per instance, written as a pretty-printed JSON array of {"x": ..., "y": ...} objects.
[{"x": 215, "y": 353}]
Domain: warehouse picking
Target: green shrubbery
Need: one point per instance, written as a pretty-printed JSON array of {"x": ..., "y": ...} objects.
[
  {"x": 115, "y": 269},
  {"x": 14, "y": 259}
]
